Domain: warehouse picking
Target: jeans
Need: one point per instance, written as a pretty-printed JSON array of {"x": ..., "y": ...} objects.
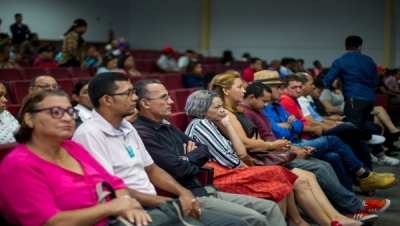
[
  {"x": 209, "y": 217},
  {"x": 355, "y": 138},
  {"x": 357, "y": 111},
  {"x": 374, "y": 128},
  {"x": 332, "y": 144},
  {"x": 340, "y": 197}
]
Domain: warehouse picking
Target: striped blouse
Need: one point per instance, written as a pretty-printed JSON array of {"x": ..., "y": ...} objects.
[{"x": 207, "y": 133}]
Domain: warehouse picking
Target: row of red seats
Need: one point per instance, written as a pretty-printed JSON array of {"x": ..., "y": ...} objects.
[{"x": 12, "y": 74}]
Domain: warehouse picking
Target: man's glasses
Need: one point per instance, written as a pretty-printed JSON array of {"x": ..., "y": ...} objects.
[
  {"x": 128, "y": 93},
  {"x": 164, "y": 98},
  {"x": 47, "y": 86},
  {"x": 58, "y": 112}
]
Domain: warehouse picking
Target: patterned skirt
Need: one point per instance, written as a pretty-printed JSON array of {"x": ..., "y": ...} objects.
[{"x": 267, "y": 182}]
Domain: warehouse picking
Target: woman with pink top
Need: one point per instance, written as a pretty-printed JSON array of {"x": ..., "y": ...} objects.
[{"x": 49, "y": 179}]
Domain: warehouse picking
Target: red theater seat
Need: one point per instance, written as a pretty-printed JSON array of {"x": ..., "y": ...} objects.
[
  {"x": 179, "y": 97},
  {"x": 66, "y": 86},
  {"x": 77, "y": 72},
  {"x": 58, "y": 73},
  {"x": 9, "y": 74},
  {"x": 13, "y": 109},
  {"x": 30, "y": 73},
  {"x": 18, "y": 90},
  {"x": 173, "y": 81},
  {"x": 180, "y": 120}
]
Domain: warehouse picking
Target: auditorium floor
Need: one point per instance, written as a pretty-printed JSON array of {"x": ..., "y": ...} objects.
[{"x": 390, "y": 217}]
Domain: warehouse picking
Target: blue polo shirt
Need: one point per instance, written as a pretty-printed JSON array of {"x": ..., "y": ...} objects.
[{"x": 358, "y": 75}]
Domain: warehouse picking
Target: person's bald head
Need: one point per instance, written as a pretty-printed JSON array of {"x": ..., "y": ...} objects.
[{"x": 43, "y": 82}]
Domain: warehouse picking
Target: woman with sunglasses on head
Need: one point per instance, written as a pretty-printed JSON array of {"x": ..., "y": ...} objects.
[{"x": 48, "y": 179}]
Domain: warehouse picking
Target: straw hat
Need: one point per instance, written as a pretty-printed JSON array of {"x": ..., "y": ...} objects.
[{"x": 268, "y": 77}]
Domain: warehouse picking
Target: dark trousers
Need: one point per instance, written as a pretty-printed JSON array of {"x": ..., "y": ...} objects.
[{"x": 357, "y": 111}]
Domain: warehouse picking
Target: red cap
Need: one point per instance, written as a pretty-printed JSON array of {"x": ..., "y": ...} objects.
[
  {"x": 381, "y": 68},
  {"x": 168, "y": 49}
]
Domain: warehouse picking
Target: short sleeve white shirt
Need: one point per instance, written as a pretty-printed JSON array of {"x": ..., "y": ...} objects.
[
  {"x": 8, "y": 125},
  {"x": 109, "y": 147}
]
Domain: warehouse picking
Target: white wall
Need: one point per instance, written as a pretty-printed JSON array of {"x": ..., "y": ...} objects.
[
  {"x": 154, "y": 24},
  {"x": 52, "y": 18},
  {"x": 308, "y": 29}
]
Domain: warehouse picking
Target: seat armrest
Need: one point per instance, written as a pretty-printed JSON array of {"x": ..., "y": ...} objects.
[
  {"x": 206, "y": 175},
  {"x": 382, "y": 100}
]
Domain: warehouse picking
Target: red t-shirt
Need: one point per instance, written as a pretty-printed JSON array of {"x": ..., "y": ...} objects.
[
  {"x": 293, "y": 108},
  {"x": 248, "y": 75},
  {"x": 39, "y": 62}
]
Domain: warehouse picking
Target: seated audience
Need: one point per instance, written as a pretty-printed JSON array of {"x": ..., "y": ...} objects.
[
  {"x": 45, "y": 57},
  {"x": 317, "y": 67},
  {"x": 208, "y": 77},
  {"x": 19, "y": 30},
  {"x": 109, "y": 63},
  {"x": 123, "y": 49},
  {"x": 392, "y": 82},
  {"x": 5, "y": 61},
  {"x": 246, "y": 57},
  {"x": 300, "y": 66},
  {"x": 5, "y": 39},
  {"x": 93, "y": 57},
  {"x": 53, "y": 172},
  {"x": 256, "y": 97},
  {"x": 166, "y": 63},
  {"x": 248, "y": 73},
  {"x": 184, "y": 60},
  {"x": 29, "y": 48},
  {"x": 287, "y": 126},
  {"x": 8, "y": 124},
  {"x": 275, "y": 65},
  {"x": 394, "y": 97},
  {"x": 113, "y": 45},
  {"x": 286, "y": 66},
  {"x": 194, "y": 75},
  {"x": 73, "y": 46},
  {"x": 84, "y": 106},
  {"x": 227, "y": 58},
  {"x": 115, "y": 143},
  {"x": 182, "y": 157},
  {"x": 127, "y": 64}
]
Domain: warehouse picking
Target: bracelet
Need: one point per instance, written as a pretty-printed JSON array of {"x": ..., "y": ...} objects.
[
  {"x": 270, "y": 146},
  {"x": 126, "y": 197}
]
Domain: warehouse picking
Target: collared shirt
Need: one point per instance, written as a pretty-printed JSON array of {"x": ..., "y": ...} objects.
[
  {"x": 307, "y": 109},
  {"x": 122, "y": 153},
  {"x": 293, "y": 108},
  {"x": 261, "y": 122},
  {"x": 167, "y": 63},
  {"x": 277, "y": 114},
  {"x": 206, "y": 132},
  {"x": 285, "y": 71},
  {"x": 358, "y": 75},
  {"x": 248, "y": 75},
  {"x": 165, "y": 142},
  {"x": 84, "y": 113},
  {"x": 8, "y": 125}
]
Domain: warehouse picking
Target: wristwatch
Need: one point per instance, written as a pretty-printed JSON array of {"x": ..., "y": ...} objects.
[{"x": 183, "y": 158}]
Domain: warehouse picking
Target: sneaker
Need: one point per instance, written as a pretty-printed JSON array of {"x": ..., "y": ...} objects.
[
  {"x": 389, "y": 161},
  {"x": 376, "y": 139},
  {"x": 376, "y": 206},
  {"x": 363, "y": 217},
  {"x": 375, "y": 181},
  {"x": 373, "y": 158}
]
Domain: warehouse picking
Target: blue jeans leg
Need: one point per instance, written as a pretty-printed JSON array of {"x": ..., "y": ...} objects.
[
  {"x": 342, "y": 199},
  {"x": 341, "y": 173}
]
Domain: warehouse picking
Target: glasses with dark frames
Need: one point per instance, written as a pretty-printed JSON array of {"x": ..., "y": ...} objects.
[
  {"x": 129, "y": 92},
  {"x": 46, "y": 86},
  {"x": 58, "y": 112}
]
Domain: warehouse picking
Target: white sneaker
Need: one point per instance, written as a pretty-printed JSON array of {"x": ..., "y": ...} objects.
[
  {"x": 389, "y": 161},
  {"x": 376, "y": 139},
  {"x": 373, "y": 158}
]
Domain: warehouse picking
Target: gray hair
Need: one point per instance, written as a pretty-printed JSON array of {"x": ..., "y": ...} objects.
[
  {"x": 198, "y": 103},
  {"x": 141, "y": 90},
  {"x": 303, "y": 77}
]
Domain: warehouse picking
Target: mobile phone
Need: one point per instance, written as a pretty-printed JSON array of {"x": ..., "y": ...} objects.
[
  {"x": 344, "y": 116},
  {"x": 312, "y": 150}
]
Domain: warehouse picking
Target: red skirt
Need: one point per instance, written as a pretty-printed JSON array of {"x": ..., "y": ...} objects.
[{"x": 267, "y": 182}]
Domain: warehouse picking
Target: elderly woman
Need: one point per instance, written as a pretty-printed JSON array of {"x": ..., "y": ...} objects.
[
  {"x": 57, "y": 177},
  {"x": 8, "y": 124},
  {"x": 308, "y": 193}
]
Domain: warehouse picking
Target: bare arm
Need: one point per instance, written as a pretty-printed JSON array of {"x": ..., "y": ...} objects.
[
  {"x": 237, "y": 144},
  {"x": 330, "y": 108},
  {"x": 147, "y": 200},
  {"x": 164, "y": 181}
]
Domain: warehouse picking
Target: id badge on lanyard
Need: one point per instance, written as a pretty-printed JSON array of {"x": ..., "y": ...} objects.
[{"x": 129, "y": 149}]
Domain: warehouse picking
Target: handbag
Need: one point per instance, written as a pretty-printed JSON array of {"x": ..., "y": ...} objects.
[
  {"x": 169, "y": 213},
  {"x": 269, "y": 158}
]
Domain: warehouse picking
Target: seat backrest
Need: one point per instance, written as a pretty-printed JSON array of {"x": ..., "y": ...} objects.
[
  {"x": 9, "y": 74},
  {"x": 173, "y": 81},
  {"x": 77, "y": 72},
  {"x": 382, "y": 100},
  {"x": 30, "y": 73},
  {"x": 66, "y": 86},
  {"x": 76, "y": 80},
  {"x": 180, "y": 120},
  {"x": 13, "y": 109},
  {"x": 179, "y": 98},
  {"x": 58, "y": 73},
  {"x": 18, "y": 90}
]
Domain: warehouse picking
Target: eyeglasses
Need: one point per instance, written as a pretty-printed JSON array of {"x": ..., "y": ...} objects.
[
  {"x": 164, "y": 98},
  {"x": 58, "y": 112},
  {"x": 46, "y": 86},
  {"x": 129, "y": 92}
]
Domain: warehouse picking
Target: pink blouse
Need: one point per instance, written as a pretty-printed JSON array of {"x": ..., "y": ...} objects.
[{"x": 32, "y": 190}]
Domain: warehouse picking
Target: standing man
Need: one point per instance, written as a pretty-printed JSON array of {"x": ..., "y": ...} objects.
[
  {"x": 359, "y": 78},
  {"x": 18, "y": 30}
]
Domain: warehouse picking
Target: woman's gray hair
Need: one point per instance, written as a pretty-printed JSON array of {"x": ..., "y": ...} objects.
[{"x": 198, "y": 103}]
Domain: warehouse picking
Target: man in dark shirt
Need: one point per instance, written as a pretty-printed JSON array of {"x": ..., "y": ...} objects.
[
  {"x": 359, "y": 78},
  {"x": 181, "y": 157},
  {"x": 19, "y": 31}
]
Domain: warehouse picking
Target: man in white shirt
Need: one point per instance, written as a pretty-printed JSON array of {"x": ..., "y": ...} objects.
[
  {"x": 80, "y": 95},
  {"x": 166, "y": 62},
  {"x": 118, "y": 148},
  {"x": 184, "y": 60}
]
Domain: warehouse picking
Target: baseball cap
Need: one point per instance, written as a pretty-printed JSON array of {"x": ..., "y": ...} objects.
[
  {"x": 168, "y": 49},
  {"x": 381, "y": 68}
]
